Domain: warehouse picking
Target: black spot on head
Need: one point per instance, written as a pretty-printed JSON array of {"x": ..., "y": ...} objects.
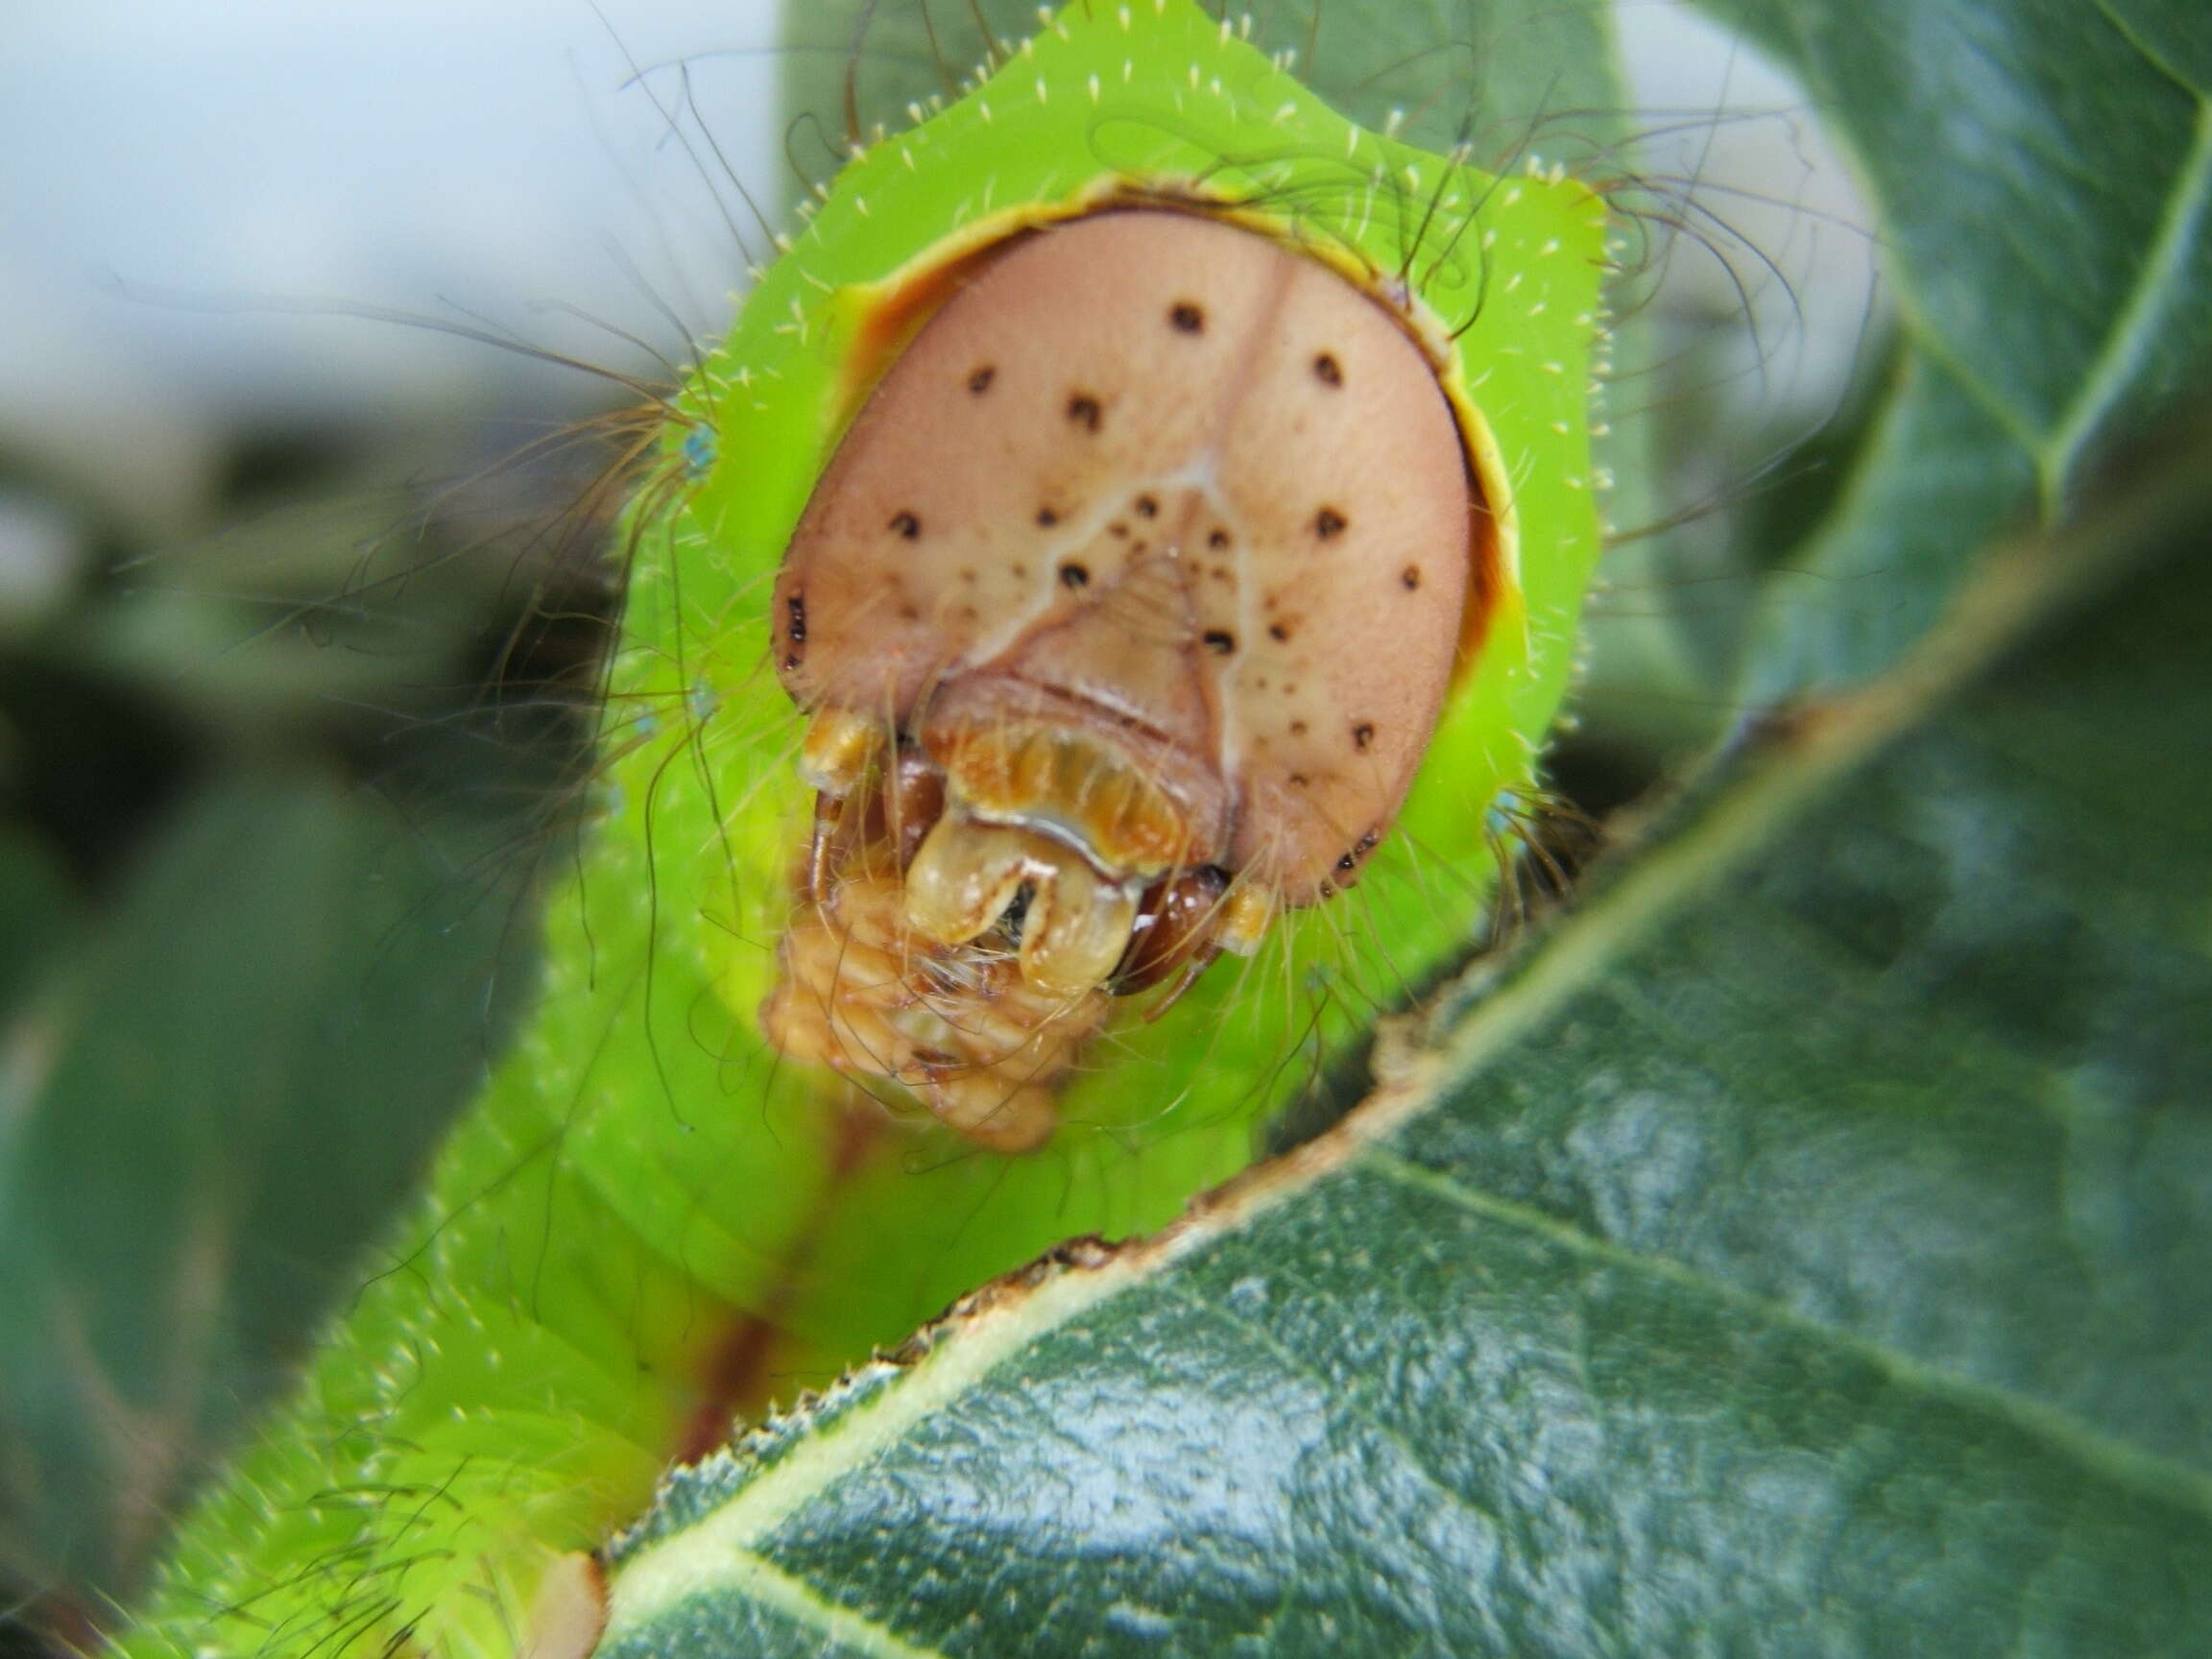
[
  {"x": 795, "y": 609},
  {"x": 1075, "y": 575},
  {"x": 1327, "y": 371},
  {"x": 1328, "y": 522},
  {"x": 1410, "y": 576},
  {"x": 1147, "y": 508},
  {"x": 1018, "y": 912},
  {"x": 980, "y": 377},
  {"x": 1362, "y": 735},
  {"x": 1084, "y": 411},
  {"x": 906, "y": 525},
  {"x": 1219, "y": 641},
  {"x": 791, "y": 662},
  {"x": 1186, "y": 318},
  {"x": 1047, "y": 517},
  {"x": 1216, "y": 540},
  {"x": 1367, "y": 842},
  {"x": 1278, "y": 632},
  {"x": 1347, "y": 864}
]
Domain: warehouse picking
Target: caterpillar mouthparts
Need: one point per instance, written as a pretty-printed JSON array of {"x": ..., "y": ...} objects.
[{"x": 1124, "y": 615}]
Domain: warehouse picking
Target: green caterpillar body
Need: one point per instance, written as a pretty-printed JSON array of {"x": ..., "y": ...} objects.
[{"x": 645, "y": 1173}]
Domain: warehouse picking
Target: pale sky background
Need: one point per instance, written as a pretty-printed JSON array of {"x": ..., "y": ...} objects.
[{"x": 485, "y": 156}]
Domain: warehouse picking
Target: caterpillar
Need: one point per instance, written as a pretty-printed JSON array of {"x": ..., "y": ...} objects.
[{"x": 655, "y": 1177}]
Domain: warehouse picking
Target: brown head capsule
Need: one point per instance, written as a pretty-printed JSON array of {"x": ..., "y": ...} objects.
[{"x": 1116, "y": 553}]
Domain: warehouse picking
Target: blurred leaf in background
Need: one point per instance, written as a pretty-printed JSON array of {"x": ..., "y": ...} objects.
[
  {"x": 270, "y": 809},
  {"x": 272, "y": 797}
]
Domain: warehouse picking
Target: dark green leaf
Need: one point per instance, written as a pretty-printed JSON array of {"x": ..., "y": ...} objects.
[
  {"x": 2042, "y": 171},
  {"x": 205, "y": 1103},
  {"x": 1803, "y": 1251}
]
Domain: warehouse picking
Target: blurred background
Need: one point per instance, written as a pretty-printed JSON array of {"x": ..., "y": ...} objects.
[{"x": 300, "y": 569}]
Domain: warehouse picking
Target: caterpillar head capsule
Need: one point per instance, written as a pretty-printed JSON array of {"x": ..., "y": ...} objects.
[{"x": 1124, "y": 615}]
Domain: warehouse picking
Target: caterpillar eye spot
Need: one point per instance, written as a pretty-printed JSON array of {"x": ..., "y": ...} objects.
[
  {"x": 1047, "y": 517},
  {"x": 1277, "y": 632},
  {"x": 1410, "y": 578},
  {"x": 1219, "y": 642},
  {"x": 1186, "y": 318},
  {"x": 1362, "y": 735},
  {"x": 1147, "y": 507},
  {"x": 905, "y": 524},
  {"x": 1073, "y": 575},
  {"x": 795, "y": 614},
  {"x": 1328, "y": 523},
  {"x": 1084, "y": 411},
  {"x": 979, "y": 378},
  {"x": 1217, "y": 539},
  {"x": 1327, "y": 371}
]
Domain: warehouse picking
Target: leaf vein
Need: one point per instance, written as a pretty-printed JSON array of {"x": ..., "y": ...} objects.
[
  {"x": 2163, "y": 283},
  {"x": 1350, "y": 1400},
  {"x": 744, "y": 1574},
  {"x": 2098, "y": 1454}
]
